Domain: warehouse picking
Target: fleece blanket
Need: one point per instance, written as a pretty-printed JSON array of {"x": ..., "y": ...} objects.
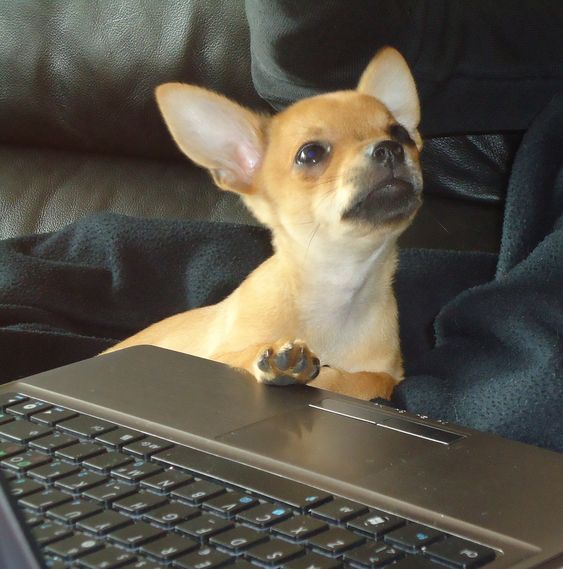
[{"x": 482, "y": 335}]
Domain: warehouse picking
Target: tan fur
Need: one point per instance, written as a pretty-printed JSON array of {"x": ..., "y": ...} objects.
[{"x": 329, "y": 282}]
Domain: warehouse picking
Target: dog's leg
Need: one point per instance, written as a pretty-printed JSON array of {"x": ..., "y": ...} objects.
[
  {"x": 362, "y": 385},
  {"x": 278, "y": 363}
]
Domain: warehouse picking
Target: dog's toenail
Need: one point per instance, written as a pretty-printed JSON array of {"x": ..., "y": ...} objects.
[
  {"x": 263, "y": 363},
  {"x": 301, "y": 363}
]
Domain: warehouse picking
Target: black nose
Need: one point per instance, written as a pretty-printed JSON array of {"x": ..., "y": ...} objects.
[{"x": 388, "y": 153}]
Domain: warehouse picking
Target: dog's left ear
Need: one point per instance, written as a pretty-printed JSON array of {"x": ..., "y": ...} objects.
[{"x": 388, "y": 78}]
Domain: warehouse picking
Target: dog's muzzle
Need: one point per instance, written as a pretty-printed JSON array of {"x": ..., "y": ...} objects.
[{"x": 391, "y": 200}]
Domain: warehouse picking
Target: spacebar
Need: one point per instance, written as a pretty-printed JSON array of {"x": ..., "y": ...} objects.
[{"x": 272, "y": 486}]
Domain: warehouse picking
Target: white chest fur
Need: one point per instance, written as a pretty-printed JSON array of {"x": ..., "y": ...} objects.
[{"x": 347, "y": 310}]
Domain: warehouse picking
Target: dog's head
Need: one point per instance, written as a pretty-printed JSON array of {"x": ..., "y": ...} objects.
[{"x": 344, "y": 165}]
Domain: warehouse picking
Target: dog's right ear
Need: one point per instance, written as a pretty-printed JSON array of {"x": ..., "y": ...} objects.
[{"x": 215, "y": 133}]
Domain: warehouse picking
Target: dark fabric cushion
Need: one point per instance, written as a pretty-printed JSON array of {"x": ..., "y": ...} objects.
[
  {"x": 80, "y": 75},
  {"x": 480, "y": 66}
]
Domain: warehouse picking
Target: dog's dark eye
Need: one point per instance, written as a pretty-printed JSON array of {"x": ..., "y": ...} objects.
[
  {"x": 400, "y": 134},
  {"x": 311, "y": 153}
]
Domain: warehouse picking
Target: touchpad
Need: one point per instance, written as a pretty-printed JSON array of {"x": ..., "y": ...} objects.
[{"x": 329, "y": 444}]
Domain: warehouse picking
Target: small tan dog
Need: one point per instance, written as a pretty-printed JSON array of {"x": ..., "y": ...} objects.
[{"x": 337, "y": 179}]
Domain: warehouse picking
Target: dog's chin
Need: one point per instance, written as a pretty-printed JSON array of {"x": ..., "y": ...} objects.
[{"x": 391, "y": 202}]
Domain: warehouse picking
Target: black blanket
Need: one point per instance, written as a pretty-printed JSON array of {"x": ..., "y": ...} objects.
[{"x": 482, "y": 336}]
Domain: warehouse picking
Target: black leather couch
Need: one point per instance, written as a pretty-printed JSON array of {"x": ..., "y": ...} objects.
[{"x": 81, "y": 132}]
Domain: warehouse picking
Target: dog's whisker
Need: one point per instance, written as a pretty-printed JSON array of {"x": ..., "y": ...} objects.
[
  {"x": 311, "y": 239},
  {"x": 438, "y": 221},
  {"x": 351, "y": 179}
]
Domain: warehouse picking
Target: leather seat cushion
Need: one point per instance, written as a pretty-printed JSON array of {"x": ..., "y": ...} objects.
[{"x": 80, "y": 76}]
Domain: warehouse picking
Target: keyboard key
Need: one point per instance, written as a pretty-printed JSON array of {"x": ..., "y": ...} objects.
[
  {"x": 274, "y": 487},
  {"x": 416, "y": 562},
  {"x": 376, "y": 523},
  {"x": 204, "y": 558},
  {"x": 339, "y": 510},
  {"x": 238, "y": 539},
  {"x": 23, "y": 431},
  {"x": 230, "y": 503},
  {"x": 52, "y": 471},
  {"x": 42, "y": 500},
  {"x": 81, "y": 481},
  {"x": 49, "y": 532},
  {"x": 24, "y": 461},
  {"x": 198, "y": 492},
  {"x": 8, "y": 399},
  {"x": 204, "y": 526},
  {"x": 146, "y": 564},
  {"x": 86, "y": 426},
  {"x": 105, "y": 522},
  {"x": 242, "y": 564},
  {"x": 74, "y": 511},
  {"x": 54, "y": 563},
  {"x": 119, "y": 437},
  {"x": 24, "y": 487},
  {"x": 460, "y": 553},
  {"x": 110, "y": 491},
  {"x": 107, "y": 461},
  {"x": 80, "y": 452},
  {"x": 373, "y": 554},
  {"x": 300, "y": 528},
  {"x": 53, "y": 416},
  {"x": 166, "y": 481},
  {"x": 135, "y": 534},
  {"x": 413, "y": 537},
  {"x": 139, "y": 502},
  {"x": 10, "y": 449},
  {"x": 275, "y": 552},
  {"x": 5, "y": 418},
  {"x": 136, "y": 471},
  {"x": 107, "y": 558},
  {"x": 335, "y": 541},
  {"x": 169, "y": 547},
  {"x": 313, "y": 561},
  {"x": 147, "y": 447},
  {"x": 264, "y": 515},
  {"x": 75, "y": 546},
  {"x": 27, "y": 408},
  {"x": 171, "y": 514},
  {"x": 53, "y": 442},
  {"x": 33, "y": 519}
]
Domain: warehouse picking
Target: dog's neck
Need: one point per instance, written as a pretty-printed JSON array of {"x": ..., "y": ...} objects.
[{"x": 332, "y": 278}]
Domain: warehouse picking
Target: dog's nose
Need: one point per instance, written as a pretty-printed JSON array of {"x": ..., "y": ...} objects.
[{"x": 388, "y": 153}]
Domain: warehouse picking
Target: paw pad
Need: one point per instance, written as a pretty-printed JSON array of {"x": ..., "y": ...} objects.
[{"x": 286, "y": 363}]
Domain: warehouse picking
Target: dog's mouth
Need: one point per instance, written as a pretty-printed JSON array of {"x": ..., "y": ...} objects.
[{"x": 391, "y": 200}]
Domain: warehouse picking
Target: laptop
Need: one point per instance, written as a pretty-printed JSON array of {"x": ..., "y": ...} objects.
[{"x": 147, "y": 458}]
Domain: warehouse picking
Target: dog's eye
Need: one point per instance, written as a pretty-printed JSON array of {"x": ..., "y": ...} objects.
[{"x": 311, "y": 153}]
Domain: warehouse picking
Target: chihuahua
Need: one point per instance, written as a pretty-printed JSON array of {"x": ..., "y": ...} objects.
[{"x": 337, "y": 179}]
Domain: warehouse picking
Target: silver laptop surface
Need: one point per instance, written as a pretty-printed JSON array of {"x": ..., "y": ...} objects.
[{"x": 435, "y": 494}]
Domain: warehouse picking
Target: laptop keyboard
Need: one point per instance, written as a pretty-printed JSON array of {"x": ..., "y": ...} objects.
[{"x": 102, "y": 496}]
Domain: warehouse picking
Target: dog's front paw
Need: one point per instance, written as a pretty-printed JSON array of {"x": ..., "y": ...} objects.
[{"x": 285, "y": 363}]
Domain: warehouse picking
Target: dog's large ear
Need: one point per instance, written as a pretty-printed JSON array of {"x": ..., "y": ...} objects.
[
  {"x": 388, "y": 78},
  {"x": 214, "y": 132}
]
